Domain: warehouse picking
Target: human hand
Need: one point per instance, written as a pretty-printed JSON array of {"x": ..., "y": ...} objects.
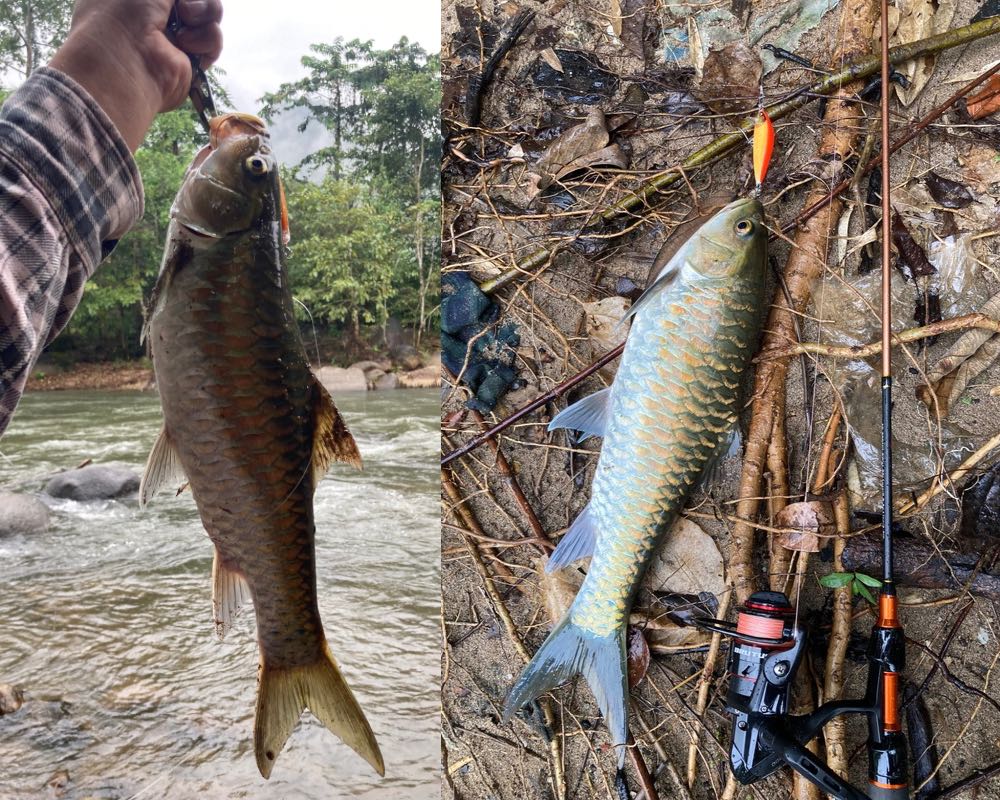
[{"x": 120, "y": 52}]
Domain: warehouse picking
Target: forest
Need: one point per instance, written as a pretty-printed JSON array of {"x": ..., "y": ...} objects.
[{"x": 364, "y": 208}]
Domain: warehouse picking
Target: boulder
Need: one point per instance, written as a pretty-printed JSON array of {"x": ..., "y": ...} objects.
[
  {"x": 338, "y": 379},
  {"x": 95, "y": 482},
  {"x": 388, "y": 380},
  {"x": 374, "y": 376},
  {"x": 423, "y": 378},
  {"x": 406, "y": 356},
  {"x": 22, "y": 513},
  {"x": 366, "y": 366},
  {"x": 11, "y": 698}
]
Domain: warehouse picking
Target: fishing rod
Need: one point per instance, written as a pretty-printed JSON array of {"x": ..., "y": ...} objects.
[{"x": 769, "y": 642}]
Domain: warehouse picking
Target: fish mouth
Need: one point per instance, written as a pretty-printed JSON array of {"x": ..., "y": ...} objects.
[{"x": 747, "y": 202}]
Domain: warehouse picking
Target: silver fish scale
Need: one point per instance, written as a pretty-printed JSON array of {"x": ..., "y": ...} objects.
[{"x": 672, "y": 403}]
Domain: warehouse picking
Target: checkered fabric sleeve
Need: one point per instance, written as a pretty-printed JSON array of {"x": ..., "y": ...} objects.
[{"x": 69, "y": 188}]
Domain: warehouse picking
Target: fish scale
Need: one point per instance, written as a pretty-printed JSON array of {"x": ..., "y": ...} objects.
[
  {"x": 250, "y": 427},
  {"x": 661, "y": 449},
  {"x": 664, "y": 419}
]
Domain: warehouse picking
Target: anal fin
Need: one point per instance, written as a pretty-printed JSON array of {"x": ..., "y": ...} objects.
[
  {"x": 163, "y": 469},
  {"x": 579, "y": 542},
  {"x": 230, "y": 593}
]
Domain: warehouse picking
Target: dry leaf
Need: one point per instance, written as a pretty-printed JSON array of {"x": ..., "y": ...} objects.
[
  {"x": 687, "y": 562},
  {"x": 986, "y": 102},
  {"x": 576, "y": 149},
  {"x": 973, "y": 353},
  {"x": 549, "y": 56},
  {"x": 603, "y": 322},
  {"x": 919, "y": 19},
  {"x": 616, "y": 17},
  {"x": 811, "y": 521},
  {"x": 730, "y": 76},
  {"x": 558, "y": 589},
  {"x": 638, "y": 657}
]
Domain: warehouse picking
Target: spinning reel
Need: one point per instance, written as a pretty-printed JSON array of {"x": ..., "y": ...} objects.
[{"x": 767, "y": 648}]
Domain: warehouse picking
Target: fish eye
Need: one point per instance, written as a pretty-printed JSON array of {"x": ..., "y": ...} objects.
[
  {"x": 256, "y": 165},
  {"x": 744, "y": 227}
]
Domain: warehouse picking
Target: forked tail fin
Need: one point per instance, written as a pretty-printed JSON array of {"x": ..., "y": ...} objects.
[
  {"x": 283, "y": 694},
  {"x": 571, "y": 650}
]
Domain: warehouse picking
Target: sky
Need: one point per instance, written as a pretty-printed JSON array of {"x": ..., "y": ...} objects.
[{"x": 264, "y": 42}]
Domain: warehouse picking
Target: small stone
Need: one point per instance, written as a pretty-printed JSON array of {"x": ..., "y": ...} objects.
[
  {"x": 94, "y": 482},
  {"x": 22, "y": 513},
  {"x": 11, "y": 698}
]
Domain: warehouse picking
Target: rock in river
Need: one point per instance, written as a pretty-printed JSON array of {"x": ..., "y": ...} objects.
[
  {"x": 11, "y": 698},
  {"x": 387, "y": 380},
  {"x": 22, "y": 513},
  {"x": 337, "y": 379},
  {"x": 94, "y": 482}
]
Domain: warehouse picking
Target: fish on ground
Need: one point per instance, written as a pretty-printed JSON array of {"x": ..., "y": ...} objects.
[
  {"x": 665, "y": 418},
  {"x": 250, "y": 427}
]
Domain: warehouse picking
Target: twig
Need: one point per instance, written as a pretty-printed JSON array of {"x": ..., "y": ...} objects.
[
  {"x": 478, "y": 83},
  {"x": 500, "y": 609},
  {"x": 976, "y": 778},
  {"x": 834, "y": 732},
  {"x": 802, "y": 217},
  {"x": 949, "y": 325},
  {"x": 953, "y": 679},
  {"x": 742, "y": 135},
  {"x": 538, "y": 402},
  {"x": 939, "y": 485},
  {"x": 959, "y": 619}
]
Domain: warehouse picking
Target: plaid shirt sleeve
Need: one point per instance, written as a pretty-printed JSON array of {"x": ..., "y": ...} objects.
[{"x": 69, "y": 188}]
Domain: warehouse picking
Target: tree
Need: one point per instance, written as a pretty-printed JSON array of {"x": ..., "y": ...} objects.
[
  {"x": 30, "y": 32},
  {"x": 381, "y": 107}
]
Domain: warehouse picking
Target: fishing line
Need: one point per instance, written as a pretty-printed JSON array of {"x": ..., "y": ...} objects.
[{"x": 312, "y": 323}]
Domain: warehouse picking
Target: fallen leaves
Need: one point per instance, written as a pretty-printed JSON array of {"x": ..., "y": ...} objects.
[
  {"x": 970, "y": 356},
  {"x": 910, "y": 20},
  {"x": 582, "y": 147},
  {"x": 812, "y": 521}
]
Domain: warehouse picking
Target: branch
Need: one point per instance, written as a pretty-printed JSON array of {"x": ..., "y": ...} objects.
[{"x": 874, "y": 348}]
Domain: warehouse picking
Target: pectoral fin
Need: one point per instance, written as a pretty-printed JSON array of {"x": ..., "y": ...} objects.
[
  {"x": 331, "y": 440},
  {"x": 163, "y": 469},
  {"x": 655, "y": 289}
]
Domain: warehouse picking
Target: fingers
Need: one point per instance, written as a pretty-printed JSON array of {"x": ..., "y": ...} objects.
[
  {"x": 204, "y": 42},
  {"x": 198, "y": 13}
]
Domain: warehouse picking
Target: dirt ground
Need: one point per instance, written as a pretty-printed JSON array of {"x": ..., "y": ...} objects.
[
  {"x": 658, "y": 111},
  {"x": 128, "y": 375}
]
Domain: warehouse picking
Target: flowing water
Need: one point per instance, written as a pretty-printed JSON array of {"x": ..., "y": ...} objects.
[{"x": 105, "y": 619}]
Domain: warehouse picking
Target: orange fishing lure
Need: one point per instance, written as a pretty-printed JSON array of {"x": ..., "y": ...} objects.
[{"x": 763, "y": 145}]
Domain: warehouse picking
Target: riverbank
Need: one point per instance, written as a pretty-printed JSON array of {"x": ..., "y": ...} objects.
[{"x": 138, "y": 376}]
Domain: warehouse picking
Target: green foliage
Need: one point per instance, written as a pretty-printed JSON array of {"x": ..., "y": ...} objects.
[
  {"x": 30, "y": 32},
  {"x": 858, "y": 581},
  {"x": 109, "y": 320},
  {"x": 365, "y": 227}
]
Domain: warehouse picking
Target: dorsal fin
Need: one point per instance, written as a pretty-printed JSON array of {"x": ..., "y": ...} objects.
[{"x": 331, "y": 439}]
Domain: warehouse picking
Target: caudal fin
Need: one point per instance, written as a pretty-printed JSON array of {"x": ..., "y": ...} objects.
[
  {"x": 570, "y": 650},
  {"x": 283, "y": 694}
]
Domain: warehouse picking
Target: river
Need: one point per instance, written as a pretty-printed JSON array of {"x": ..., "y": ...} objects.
[{"x": 105, "y": 619}]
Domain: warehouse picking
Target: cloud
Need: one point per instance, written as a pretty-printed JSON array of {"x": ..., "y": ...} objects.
[{"x": 265, "y": 42}]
